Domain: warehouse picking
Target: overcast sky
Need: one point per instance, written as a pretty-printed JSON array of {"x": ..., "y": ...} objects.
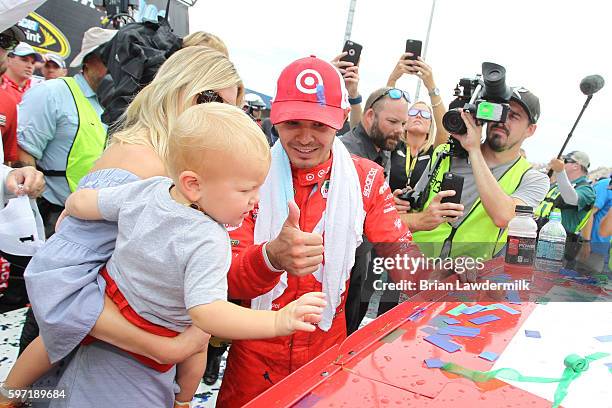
[{"x": 546, "y": 46}]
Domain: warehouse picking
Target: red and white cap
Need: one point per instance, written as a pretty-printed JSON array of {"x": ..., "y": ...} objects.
[{"x": 310, "y": 89}]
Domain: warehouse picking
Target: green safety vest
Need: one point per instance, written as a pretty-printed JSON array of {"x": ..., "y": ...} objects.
[
  {"x": 476, "y": 235},
  {"x": 88, "y": 143},
  {"x": 553, "y": 201},
  {"x": 548, "y": 204}
]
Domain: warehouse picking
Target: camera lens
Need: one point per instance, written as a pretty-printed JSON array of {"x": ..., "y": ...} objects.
[
  {"x": 453, "y": 122},
  {"x": 495, "y": 75}
]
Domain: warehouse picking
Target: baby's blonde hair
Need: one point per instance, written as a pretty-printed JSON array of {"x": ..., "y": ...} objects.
[
  {"x": 202, "y": 38},
  {"x": 209, "y": 129}
]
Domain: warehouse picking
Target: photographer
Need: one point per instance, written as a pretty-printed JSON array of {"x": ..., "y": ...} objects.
[{"x": 496, "y": 179}]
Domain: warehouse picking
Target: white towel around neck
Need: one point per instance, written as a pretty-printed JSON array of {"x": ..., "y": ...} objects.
[{"x": 341, "y": 224}]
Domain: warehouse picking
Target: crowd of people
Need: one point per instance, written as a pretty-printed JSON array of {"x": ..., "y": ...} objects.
[{"x": 196, "y": 216}]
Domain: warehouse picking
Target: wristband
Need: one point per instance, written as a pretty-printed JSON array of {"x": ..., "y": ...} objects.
[
  {"x": 355, "y": 101},
  {"x": 182, "y": 404},
  {"x": 10, "y": 396}
]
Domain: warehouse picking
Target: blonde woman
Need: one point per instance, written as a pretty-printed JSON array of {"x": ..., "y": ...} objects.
[
  {"x": 411, "y": 157},
  {"x": 200, "y": 38},
  {"x": 63, "y": 283},
  {"x": 424, "y": 130}
]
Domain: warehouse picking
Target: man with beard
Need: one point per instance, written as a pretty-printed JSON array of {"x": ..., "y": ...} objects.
[
  {"x": 381, "y": 126},
  {"x": 380, "y": 129},
  {"x": 496, "y": 179}
]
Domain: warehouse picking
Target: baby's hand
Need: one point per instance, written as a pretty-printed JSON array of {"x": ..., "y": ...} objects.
[{"x": 300, "y": 314}]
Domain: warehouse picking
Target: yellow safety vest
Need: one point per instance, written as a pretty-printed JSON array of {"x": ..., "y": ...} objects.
[
  {"x": 476, "y": 235},
  {"x": 90, "y": 138},
  {"x": 550, "y": 204}
]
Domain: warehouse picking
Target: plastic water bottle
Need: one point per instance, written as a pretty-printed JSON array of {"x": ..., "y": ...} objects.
[
  {"x": 521, "y": 244},
  {"x": 522, "y": 236},
  {"x": 551, "y": 245}
]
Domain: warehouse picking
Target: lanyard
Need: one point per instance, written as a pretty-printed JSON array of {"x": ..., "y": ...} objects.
[{"x": 410, "y": 163}]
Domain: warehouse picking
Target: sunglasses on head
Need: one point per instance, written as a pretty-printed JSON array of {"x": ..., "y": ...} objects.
[
  {"x": 393, "y": 93},
  {"x": 209, "y": 96},
  {"x": 8, "y": 42},
  {"x": 425, "y": 114}
]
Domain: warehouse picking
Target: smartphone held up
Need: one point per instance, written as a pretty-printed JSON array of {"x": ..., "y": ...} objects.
[
  {"x": 353, "y": 52},
  {"x": 414, "y": 47}
]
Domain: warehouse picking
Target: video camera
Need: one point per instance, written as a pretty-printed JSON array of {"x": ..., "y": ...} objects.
[{"x": 486, "y": 97}]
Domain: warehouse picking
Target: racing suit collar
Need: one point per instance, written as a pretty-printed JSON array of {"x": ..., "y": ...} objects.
[{"x": 313, "y": 175}]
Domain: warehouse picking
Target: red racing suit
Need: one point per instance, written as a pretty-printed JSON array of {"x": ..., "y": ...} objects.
[{"x": 253, "y": 366}]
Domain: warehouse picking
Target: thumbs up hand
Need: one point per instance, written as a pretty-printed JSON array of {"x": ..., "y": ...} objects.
[
  {"x": 293, "y": 219},
  {"x": 293, "y": 250}
]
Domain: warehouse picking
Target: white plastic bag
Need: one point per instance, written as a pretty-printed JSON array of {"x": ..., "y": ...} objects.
[{"x": 21, "y": 227}]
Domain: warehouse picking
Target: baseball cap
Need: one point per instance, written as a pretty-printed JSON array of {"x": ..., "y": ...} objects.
[
  {"x": 579, "y": 157},
  {"x": 55, "y": 58},
  {"x": 24, "y": 49},
  {"x": 15, "y": 32},
  {"x": 528, "y": 101},
  {"x": 92, "y": 39},
  {"x": 310, "y": 89}
]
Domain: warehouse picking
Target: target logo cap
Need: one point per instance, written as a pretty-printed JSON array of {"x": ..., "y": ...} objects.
[{"x": 310, "y": 89}]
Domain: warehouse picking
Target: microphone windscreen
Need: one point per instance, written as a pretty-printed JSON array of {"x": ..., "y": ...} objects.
[{"x": 591, "y": 84}]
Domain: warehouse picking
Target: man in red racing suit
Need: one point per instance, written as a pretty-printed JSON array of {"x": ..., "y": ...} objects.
[{"x": 306, "y": 127}]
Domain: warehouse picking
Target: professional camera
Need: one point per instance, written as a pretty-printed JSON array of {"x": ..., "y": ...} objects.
[
  {"x": 486, "y": 97},
  {"x": 418, "y": 196}
]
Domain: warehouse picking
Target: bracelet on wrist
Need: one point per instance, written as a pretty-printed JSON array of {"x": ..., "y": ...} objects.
[
  {"x": 437, "y": 103},
  {"x": 15, "y": 398},
  {"x": 355, "y": 101}
]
